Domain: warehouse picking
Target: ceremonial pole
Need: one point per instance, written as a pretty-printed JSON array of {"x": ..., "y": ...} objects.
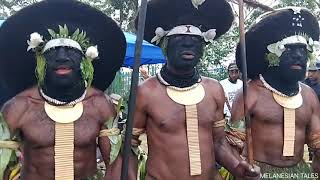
[
  {"x": 133, "y": 90},
  {"x": 245, "y": 79}
]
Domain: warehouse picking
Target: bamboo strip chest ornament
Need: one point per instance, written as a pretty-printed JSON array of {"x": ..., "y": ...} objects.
[
  {"x": 189, "y": 97},
  {"x": 64, "y": 118},
  {"x": 289, "y": 104}
]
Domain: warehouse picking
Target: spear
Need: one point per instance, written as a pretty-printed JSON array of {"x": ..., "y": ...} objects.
[
  {"x": 245, "y": 79},
  {"x": 133, "y": 90}
]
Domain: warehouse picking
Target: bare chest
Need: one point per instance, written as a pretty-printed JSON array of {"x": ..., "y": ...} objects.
[
  {"x": 267, "y": 111},
  {"x": 38, "y": 130},
  {"x": 166, "y": 115}
]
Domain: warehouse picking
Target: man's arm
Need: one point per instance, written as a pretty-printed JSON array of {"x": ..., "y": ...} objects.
[
  {"x": 114, "y": 171},
  {"x": 237, "y": 110},
  {"x": 313, "y": 130},
  {"x": 12, "y": 112},
  {"x": 140, "y": 115},
  {"x": 110, "y": 140},
  {"x": 223, "y": 152},
  {"x": 108, "y": 113},
  {"x": 10, "y": 123},
  {"x": 139, "y": 127}
]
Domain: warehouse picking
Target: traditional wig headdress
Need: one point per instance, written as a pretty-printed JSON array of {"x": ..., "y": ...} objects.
[
  {"x": 266, "y": 39},
  {"x": 53, "y": 23},
  {"x": 206, "y": 18}
]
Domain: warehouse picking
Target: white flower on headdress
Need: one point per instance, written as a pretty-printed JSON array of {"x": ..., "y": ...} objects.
[
  {"x": 316, "y": 45},
  {"x": 92, "y": 52},
  {"x": 313, "y": 46},
  {"x": 197, "y": 3},
  {"x": 279, "y": 47},
  {"x": 35, "y": 40},
  {"x": 209, "y": 35},
  {"x": 160, "y": 33},
  {"x": 276, "y": 48}
]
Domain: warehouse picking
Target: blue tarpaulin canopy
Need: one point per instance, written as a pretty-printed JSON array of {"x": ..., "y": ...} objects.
[{"x": 151, "y": 54}]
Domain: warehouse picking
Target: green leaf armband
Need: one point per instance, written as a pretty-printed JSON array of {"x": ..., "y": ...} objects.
[
  {"x": 114, "y": 135},
  {"x": 9, "y": 145}
]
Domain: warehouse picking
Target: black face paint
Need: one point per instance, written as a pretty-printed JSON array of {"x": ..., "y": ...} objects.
[
  {"x": 63, "y": 67},
  {"x": 63, "y": 79},
  {"x": 291, "y": 69},
  {"x": 293, "y": 62},
  {"x": 184, "y": 52}
]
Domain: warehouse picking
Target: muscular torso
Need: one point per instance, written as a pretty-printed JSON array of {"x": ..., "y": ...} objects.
[
  {"x": 268, "y": 124},
  {"x": 38, "y": 131},
  {"x": 166, "y": 131}
]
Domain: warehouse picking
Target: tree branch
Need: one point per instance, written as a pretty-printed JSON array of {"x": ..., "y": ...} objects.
[{"x": 254, "y": 4}]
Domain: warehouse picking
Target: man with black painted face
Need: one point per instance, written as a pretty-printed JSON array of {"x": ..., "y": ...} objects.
[
  {"x": 59, "y": 113},
  {"x": 284, "y": 112},
  {"x": 184, "y": 53},
  {"x": 181, "y": 111},
  {"x": 63, "y": 78}
]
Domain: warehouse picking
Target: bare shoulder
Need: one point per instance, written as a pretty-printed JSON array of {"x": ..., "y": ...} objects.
[
  {"x": 147, "y": 92},
  {"x": 149, "y": 86},
  {"x": 211, "y": 84},
  {"x": 306, "y": 90},
  {"x": 254, "y": 87},
  {"x": 309, "y": 95},
  {"x": 100, "y": 102},
  {"x": 14, "y": 109},
  {"x": 20, "y": 102},
  {"x": 213, "y": 89}
]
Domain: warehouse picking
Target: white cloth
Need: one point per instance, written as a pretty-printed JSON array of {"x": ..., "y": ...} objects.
[{"x": 230, "y": 91}]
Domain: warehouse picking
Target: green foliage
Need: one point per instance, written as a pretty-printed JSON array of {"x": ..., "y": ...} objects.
[
  {"x": 215, "y": 55},
  {"x": 9, "y": 7},
  {"x": 40, "y": 70},
  {"x": 115, "y": 140},
  {"x": 142, "y": 162},
  {"x": 123, "y": 11},
  {"x": 80, "y": 37},
  {"x": 121, "y": 85},
  {"x": 312, "y": 5},
  {"x": 273, "y": 59},
  {"x": 87, "y": 70},
  {"x": 6, "y": 155}
]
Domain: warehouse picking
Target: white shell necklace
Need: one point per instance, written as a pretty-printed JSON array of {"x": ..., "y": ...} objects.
[
  {"x": 60, "y": 103},
  {"x": 160, "y": 78},
  {"x": 268, "y": 86}
]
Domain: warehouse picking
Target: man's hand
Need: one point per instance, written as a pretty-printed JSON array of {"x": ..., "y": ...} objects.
[
  {"x": 247, "y": 172},
  {"x": 144, "y": 73}
]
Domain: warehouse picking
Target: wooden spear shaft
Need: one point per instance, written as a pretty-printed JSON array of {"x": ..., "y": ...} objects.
[
  {"x": 133, "y": 90},
  {"x": 245, "y": 79}
]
